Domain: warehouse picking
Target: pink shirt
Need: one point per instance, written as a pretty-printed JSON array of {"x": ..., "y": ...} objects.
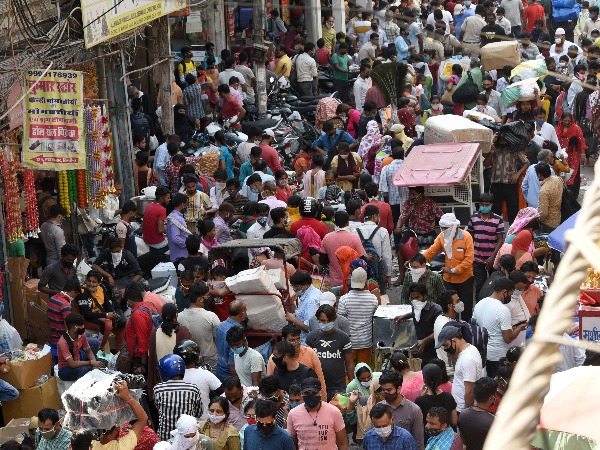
[
  {"x": 300, "y": 424},
  {"x": 411, "y": 389},
  {"x": 331, "y": 243},
  {"x": 270, "y": 155},
  {"x": 155, "y": 300}
]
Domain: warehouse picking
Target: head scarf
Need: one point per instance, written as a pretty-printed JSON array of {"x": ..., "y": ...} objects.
[
  {"x": 308, "y": 238},
  {"x": 523, "y": 218},
  {"x": 355, "y": 264},
  {"x": 450, "y": 222},
  {"x": 185, "y": 425},
  {"x": 359, "y": 387},
  {"x": 362, "y": 412},
  {"x": 522, "y": 241},
  {"x": 370, "y": 140},
  {"x": 345, "y": 256}
]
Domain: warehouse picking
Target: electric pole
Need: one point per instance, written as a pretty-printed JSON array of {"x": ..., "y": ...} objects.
[{"x": 260, "y": 54}]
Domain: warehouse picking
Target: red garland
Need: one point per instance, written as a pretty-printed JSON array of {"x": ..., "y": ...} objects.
[
  {"x": 32, "y": 219},
  {"x": 13, "y": 222}
]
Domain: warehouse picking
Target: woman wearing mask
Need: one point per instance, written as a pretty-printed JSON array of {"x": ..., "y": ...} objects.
[
  {"x": 283, "y": 191},
  {"x": 184, "y": 126},
  {"x": 571, "y": 137},
  {"x": 519, "y": 241},
  {"x": 329, "y": 34},
  {"x": 224, "y": 436},
  {"x": 349, "y": 118},
  {"x": 186, "y": 436},
  {"x": 348, "y": 166},
  {"x": 359, "y": 408},
  {"x": 250, "y": 413},
  {"x": 225, "y": 157},
  {"x": 363, "y": 378},
  {"x": 433, "y": 396},
  {"x": 436, "y": 109},
  {"x": 369, "y": 146},
  {"x": 419, "y": 273}
]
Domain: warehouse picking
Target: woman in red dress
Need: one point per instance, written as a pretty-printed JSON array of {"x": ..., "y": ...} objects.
[{"x": 571, "y": 137}]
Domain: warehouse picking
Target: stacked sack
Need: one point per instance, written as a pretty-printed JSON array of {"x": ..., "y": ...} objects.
[{"x": 565, "y": 10}]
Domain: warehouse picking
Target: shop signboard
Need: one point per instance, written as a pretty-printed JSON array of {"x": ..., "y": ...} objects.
[
  {"x": 53, "y": 129},
  {"x": 105, "y": 19}
]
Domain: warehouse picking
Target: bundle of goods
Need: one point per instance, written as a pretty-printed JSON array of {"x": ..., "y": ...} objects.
[
  {"x": 499, "y": 54},
  {"x": 520, "y": 91},
  {"x": 457, "y": 129},
  {"x": 516, "y": 135},
  {"x": 265, "y": 311},
  {"x": 209, "y": 161},
  {"x": 446, "y": 66},
  {"x": 530, "y": 69},
  {"x": 91, "y": 402},
  {"x": 565, "y": 10}
]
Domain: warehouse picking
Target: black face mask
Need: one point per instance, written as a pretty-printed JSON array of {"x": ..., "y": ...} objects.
[
  {"x": 431, "y": 432},
  {"x": 452, "y": 349},
  {"x": 80, "y": 331},
  {"x": 507, "y": 299},
  {"x": 311, "y": 401},
  {"x": 265, "y": 429},
  {"x": 279, "y": 363},
  {"x": 66, "y": 264}
]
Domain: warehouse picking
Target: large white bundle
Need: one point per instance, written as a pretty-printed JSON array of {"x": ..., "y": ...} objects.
[
  {"x": 251, "y": 281},
  {"x": 91, "y": 402},
  {"x": 265, "y": 312},
  {"x": 451, "y": 128}
]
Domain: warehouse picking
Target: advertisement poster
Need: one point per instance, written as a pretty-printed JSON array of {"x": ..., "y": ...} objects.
[
  {"x": 53, "y": 121},
  {"x": 105, "y": 19}
]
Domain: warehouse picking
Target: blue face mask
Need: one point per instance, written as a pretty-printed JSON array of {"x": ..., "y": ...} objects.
[
  {"x": 517, "y": 292},
  {"x": 293, "y": 405},
  {"x": 539, "y": 121},
  {"x": 326, "y": 326},
  {"x": 485, "y": 209},
  {"x": 239, "y": 350},
  {"x": 262, "y": 220},
  {"x": 254, "y": 191}
]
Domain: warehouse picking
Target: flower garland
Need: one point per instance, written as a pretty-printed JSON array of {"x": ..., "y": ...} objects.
[
  {"x": 82, "y": 189},
  {"x": 98, "y": 144},
  {"x": 32, "y": 218},
  {"x": 13, "y": 223},
  {"x": 63, "y": 191}
]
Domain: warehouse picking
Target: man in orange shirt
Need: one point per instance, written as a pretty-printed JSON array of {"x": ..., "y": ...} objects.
[{"x": 532, "y": 13}]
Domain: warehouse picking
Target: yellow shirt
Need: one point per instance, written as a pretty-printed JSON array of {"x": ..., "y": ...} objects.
[
  {"x": 284, "y": 60},
  {"x": 329, "y": 38},
  {"x": 127, "y": 442}
]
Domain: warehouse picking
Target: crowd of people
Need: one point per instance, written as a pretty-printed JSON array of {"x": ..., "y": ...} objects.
[{"x": 209, "y": 385}]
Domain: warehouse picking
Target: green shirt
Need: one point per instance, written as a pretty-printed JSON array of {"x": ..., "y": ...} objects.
[
  {"x": 434, "y": 284},
  {"x": 342, "y": 61}
]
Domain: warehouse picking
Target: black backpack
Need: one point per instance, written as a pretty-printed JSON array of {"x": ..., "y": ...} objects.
[
  {"x": 474, "y": 335},
  {"x": 467, "y": 92},
  {"x": 140, "y": 126},
  {"x": 376, "y": 261},
  {"x": 568, "y": 206}
]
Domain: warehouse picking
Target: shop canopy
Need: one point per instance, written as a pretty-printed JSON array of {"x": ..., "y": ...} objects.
[{"x": 437, "y": 164}]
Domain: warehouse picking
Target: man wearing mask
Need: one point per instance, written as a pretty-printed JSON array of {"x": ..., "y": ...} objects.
[
  {"x": 441, "y": 434},
  {"x": 405, "y": 413},
  {"x": 383, "y": 40},
  {"x": 243, "y": 150},
  {"x": 362, "y": 84},
  {"x": 492, "y": 314},
  {"x": 154, "y": 225},
  {"x": 222, "y": 220},
  {"x": 487, "y": 230},
  {"x": 339, "y": 63},
  {"x": 70, "y": 365},
  {"x": 266, "y": 434},
  {"x": 118, "y": 266},
  {"x": 452, "y": 306},
  {"x": 59, "y": 307},
  {"x": 460, "y": 15},
  {"x": 51, "y": 435},
  {"x": 384, "y": 433},
  {"x": 419, "y": 273},
  {"x": 317, "y": 424},
  {"x": 493, "y": 96},
  {"x": 561, "y": 45},
  {"x": 370, "y": 50},
  {"x": 306, "y": 68},
  {"x": 177, "y": 229},
  {"x": 391, "y": 29},
  {"x": 198, "y": 203},
  {"x": 530, "y": 51},
  {"x": 261, "y": 226},
  {"x": 52, "y": 234},
  {"x": 593, "y": 23},
  {"x": 55, "y": 276},
  {"x": 308, "y": 297}
]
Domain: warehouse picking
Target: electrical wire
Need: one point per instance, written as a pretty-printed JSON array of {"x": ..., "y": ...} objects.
[{"x": 103, "y": 14}]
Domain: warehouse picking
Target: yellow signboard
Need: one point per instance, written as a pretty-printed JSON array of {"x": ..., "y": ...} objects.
[
  {"x": 105, "y": 19},
  {"x": 53, "y": 133}
]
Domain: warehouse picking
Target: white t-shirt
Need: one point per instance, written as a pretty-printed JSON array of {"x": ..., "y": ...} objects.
[
  {"x": 439, "y": 323},
  {"x": 206, "y": 382},
  {"x": 518, "y": 313},
  {"x": 251, "y": 362},
  {"x": 495, "y": 317},
  {"x": 468, "y": 368}
]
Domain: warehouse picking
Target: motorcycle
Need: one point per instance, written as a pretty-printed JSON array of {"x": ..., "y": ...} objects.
[{"x": 232, "y": 136}]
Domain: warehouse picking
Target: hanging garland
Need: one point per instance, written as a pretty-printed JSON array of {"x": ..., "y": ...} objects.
[
  {"x": 82, "y": 191},
  {"x": 32, "y": 219},
  {"x": 13, "y": 223},
  {"x": 63, "y": 191},
  {"x": 99, "y": 150}
]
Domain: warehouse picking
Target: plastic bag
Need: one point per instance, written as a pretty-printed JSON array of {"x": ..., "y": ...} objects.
[
  {"x": 522, "y": 90},
  {"x": 563, "y": 4},
  {"x": 9, "y": 337},
  {"x": 564, "y": 14},
  {"x": 515, "y": 134},
  {"x": 530, "y": 69}
]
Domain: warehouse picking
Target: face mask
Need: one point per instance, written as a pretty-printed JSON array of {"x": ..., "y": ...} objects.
[
  {"x": 80, "y": 331},
  {"x": 427, "y": 58},
  {"x": 467, "y": 4},
  {"x": 517, "y": 292},
  {"x": 286, "y": 222},
  {"x": 566, "y": 125},
  {"x": 239, "y": 350},
  {"x": 312, "y": 400},
  {"x": 452, "y": 349},
  {"x": 299, "y": 294},
  {"x": 189, "y": 442},
  {"x": 485, "y": 209},
  {"x": 265, "y": 429},
  {"x": 432, "y": 432},
  {"x": 48, "y": 434},
  {"x": 539, "y": 121},
  {"x": 436, "y": 106},
  {"x": 257, "y": 142},
  {"x": 365, "y": 384},
  {"x": 279, "y": 362},
  {"x": 216, "y": 419},
  {"x": 116, "y": 258},
  {"x": 220, "y": 186},
  {"x": 326, "y": 326},
  {"x": 293, "y": 405},
  {"x": 581, "y": 76},
  {"x": 328, "y": 25},
  {"x": 66, "y": 264},
  {"x": 507, "y": 299},
  {"x": 413, "y": 200},
  {"x": 390, "y": 397},
  {"x": 459, "y": 307},
  {"x": 92, "y": 289},
  {"x": 254, "y": 191},
  {"x": 417, "y": 273},
  {"x": 344, "y": 156},
  {"x": 558, "y": 40},
  {"x": 262, "y": 220},
  {"x": 418, "y": 304},
  {"x": 384, "y": 432}
]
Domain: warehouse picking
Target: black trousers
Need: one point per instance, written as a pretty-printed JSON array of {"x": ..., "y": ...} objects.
[
  {"x": 509, "y": 193},
  {"x": 481, "y": 274},
  {"x": 465, "y": 293},
  {"x": 341, "y": 86},
  {"x": 305, "y": 88}
]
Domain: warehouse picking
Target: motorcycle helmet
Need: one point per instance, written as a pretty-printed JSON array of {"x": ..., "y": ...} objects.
[
  {"x": 170, "y": 366},
  {"x": 308, "y": 208},
  {"x": 188, "y": 350}
]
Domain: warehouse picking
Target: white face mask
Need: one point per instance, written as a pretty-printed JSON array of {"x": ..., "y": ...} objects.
[
  {"x": 366, "y": 383},
  {"x": 216, "y": 419},
  {"x": 417, "y": 308},
  {"x": 384, "y": 432},
  {"x": 558, "y": 40},
  {"x": 436, "y": 106},
  {"x": 116, "y": 258},
  {"x": 459, "y": 307},
  {"x": 92, "y": 289},
  {"x": 417, "y": 273},
  {"x": 257, "y": 142},
  {"x": 220, "y": 186},
  {"x": 344, "y": 156}
]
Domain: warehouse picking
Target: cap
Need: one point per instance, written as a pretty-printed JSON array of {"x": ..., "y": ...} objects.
[
  {"x": 310, "y": 384},
  {"x": 458, "y": 9},
  {"x": 359, "y": 278},
  {"x": 559, "y": 31},
  {"x": 446, "y": 334},
  {"x": 327, "y": 298},
  {"x": 33, "y": 423},
  {"x": 269, "y": 132}
]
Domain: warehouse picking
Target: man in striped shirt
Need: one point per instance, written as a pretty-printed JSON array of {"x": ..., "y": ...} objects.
[
  {"x": 59, "y": 307},
  {"x": 487, "y": 230}
]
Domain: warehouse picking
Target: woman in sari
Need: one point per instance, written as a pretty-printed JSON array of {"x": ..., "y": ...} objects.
[
  {"x": 348, "y": 166},
  {"x": 571, "y": 137},
  {"x": 369, "y": 146},
  {"x": 311, "y": 246},
  {"x": 284, "y": 191},
  {"x": 406, "y": 116}
]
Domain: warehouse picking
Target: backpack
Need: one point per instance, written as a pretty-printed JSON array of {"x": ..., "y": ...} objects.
[
  {"x": 207, "y": 183},
  {"x": 376, "y": 264},
  {"x": 467, "y": 92},
  {"x": 156, "y": 318},
  {"x": 474, "y": 335},
  {"x": 294, "y": 73},
  {"x": 140, "y": 126},
  {"x": 568, "y": 205}
]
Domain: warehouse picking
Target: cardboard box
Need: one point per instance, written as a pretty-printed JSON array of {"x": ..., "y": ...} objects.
[
  {"x": 23, "y": 375},
  {"x": 32, "y": 400},
  {"x": 9, "y": 433},
  {"x": 499, "y": 54},
  {"x": 21, "y": 424},
  {"x": 38, "y": 328}
]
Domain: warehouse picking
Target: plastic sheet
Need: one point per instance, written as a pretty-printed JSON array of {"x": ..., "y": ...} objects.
[{"x": 91, "y": 402}]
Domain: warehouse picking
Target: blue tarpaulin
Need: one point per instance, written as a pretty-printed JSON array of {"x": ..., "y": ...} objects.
[{"x": 556, "y": 239}]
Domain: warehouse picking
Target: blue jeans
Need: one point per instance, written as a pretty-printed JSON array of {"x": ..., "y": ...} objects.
[
  {"x": 73, "y": 374},
  {"x": 7, "y": 392}
]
